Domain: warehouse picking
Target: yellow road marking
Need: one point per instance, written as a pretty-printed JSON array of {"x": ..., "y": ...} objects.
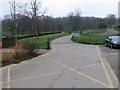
[
  {"x": 8, "y": 78},
  {"x": 70, "y": 69},
  {"x": 43, "y": 75},
  {"x": 3, "y": 68},
  {"x": 107, "y": 75},
  {"x": 79, "y": 73},
  {"x": 51, "y": 73},
  {"x": 2, "y": 83},
  {"x": 56, "y": 72},
  {"x": 19, "y": 64}
]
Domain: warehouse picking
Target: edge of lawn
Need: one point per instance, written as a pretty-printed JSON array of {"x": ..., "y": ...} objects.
[
  {"x": 44, "y": 41},
  {"x": 27, "y": 58},
  {"x": 91, "y": 40},
  {"x": 92, "y": 31}
]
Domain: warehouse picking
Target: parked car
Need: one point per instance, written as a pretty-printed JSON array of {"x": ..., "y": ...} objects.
[{"x": 112, "y": 42}]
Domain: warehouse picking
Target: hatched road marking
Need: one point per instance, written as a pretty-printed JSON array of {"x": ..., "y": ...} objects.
[
  {"x": 80, "y": 73},
  {"x": 37, "y": 76},
  {"x": 69, "y": 69}
]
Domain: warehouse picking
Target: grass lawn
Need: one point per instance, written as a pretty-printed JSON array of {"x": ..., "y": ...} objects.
[
  {"x": 95, "y": 31},
  {"x": 94, "y": 40},
  {"x": 42, "y": 41},
  {"x": 117, "y": 29},
  {"x": 92, "y": 31}
]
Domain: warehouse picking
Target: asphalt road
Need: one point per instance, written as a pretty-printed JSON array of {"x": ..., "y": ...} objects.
[
  {"x": 112, "y": 57},
  {"x": 67, "y": 65}
]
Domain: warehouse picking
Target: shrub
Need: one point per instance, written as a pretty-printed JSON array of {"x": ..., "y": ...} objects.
[
  {"x": 7, "y": 57},
  {"x": 29, "y": 46},
  {"x": 23, "y": 51},
  {"x": 20, "y": 52}
]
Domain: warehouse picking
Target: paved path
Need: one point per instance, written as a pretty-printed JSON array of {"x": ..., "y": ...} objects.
[{"x": 67, "y": 65}]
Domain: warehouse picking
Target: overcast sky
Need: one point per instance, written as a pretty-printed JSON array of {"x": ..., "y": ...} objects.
[{"x": 60, "y": 8}]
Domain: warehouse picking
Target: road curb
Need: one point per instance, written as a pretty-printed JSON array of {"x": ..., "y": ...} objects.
[
  {"x": 110, "y": 70},
  {"x": 12, "y": 65}
]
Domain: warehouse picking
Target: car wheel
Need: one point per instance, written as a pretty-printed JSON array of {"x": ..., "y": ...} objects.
[{"x": 111, "y": 45}]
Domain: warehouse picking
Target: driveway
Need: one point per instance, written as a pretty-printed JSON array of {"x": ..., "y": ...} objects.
[{"x": 66, "y": 65}]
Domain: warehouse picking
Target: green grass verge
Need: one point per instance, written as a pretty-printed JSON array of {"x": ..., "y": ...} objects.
[
  {"x": 94, "y": 40},
  {"x": 42, "y": 41},
  {"x": 92, "y": 31},
  {"x": 117, "y": 29},
  {"x": 95, "y": 31}
]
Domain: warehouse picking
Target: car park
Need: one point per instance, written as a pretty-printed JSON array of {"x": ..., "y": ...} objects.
[{"x": 112, "y": 42}]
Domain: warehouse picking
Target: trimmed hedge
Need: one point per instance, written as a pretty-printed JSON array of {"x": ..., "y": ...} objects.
[{"x": 22, "y": 37}]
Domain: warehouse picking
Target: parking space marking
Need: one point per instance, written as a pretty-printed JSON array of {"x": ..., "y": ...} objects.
[
  {"x": 107, "y": 75},
  {"x": 37, "y": 76},
  {"x": 79, "y": 72}
]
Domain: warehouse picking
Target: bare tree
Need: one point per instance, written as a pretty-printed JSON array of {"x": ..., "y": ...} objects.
[
  {"x": 35, "y": 11},
  {"x": 75, "y": 19},
  {"x": 13, "y": 10}
]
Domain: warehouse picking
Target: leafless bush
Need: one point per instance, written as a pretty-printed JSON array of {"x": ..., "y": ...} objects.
[{"x": 29, "y": 46}]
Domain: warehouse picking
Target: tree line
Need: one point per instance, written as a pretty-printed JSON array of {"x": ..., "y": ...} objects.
[
  {"x": 62, "y": 24},
  {"x": 33, "y": 22}
]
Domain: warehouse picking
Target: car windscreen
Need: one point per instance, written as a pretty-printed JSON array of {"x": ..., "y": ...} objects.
[{"x": 116, "y": 39}]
